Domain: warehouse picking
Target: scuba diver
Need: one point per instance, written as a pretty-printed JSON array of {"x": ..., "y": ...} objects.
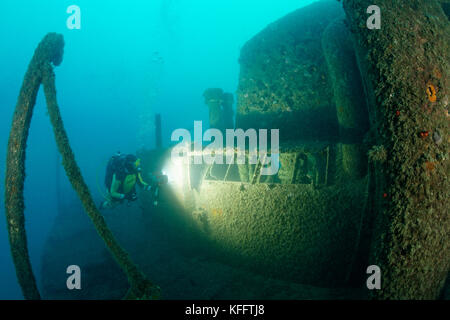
[{"x": 123, "y": 172}]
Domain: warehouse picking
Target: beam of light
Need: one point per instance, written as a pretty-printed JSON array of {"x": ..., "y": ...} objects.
[{"x": 175, "y": 172}]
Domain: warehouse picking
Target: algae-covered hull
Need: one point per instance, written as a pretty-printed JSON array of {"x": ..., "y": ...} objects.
[{"x": 293, "y": 232}]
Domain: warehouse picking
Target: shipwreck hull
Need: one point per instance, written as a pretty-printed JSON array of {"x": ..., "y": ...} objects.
[
  {"x": 294, "y": 226},
  {"x": 303, "y": 224},
  {"x": 294, "y": 232}
]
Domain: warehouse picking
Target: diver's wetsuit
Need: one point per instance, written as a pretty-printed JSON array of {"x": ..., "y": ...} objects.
[{"x": 122, "y": 183}]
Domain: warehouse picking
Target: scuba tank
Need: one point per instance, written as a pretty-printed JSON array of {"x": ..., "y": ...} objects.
[{"x": 113, "y": 165}]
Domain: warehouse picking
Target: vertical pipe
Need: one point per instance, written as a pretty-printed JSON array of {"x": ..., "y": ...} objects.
[{"x": 411, "y": 200}]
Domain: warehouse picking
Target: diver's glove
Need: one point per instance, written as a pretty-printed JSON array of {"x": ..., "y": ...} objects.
[{"x": 147, "y": 187}]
